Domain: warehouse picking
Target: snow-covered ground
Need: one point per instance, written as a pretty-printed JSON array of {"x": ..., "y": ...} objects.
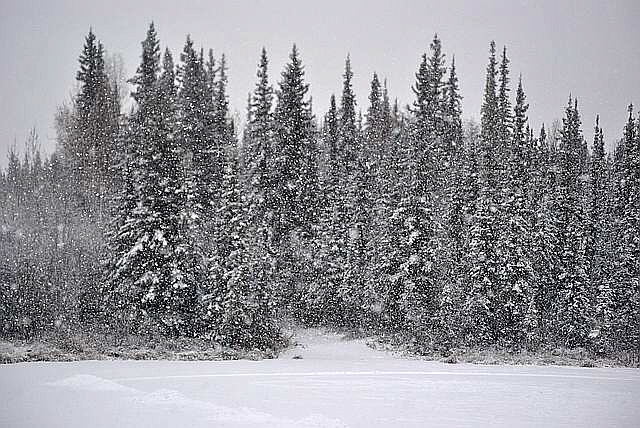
[{"x": 335, "y": 383}]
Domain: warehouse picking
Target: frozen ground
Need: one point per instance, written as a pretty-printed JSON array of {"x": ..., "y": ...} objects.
[{"x": 335, "y": 383}]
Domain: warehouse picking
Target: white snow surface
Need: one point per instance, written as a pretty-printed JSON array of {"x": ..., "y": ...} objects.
[{"x": 334, "y": 382}]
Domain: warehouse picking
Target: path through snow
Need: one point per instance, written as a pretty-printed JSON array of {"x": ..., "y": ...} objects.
[{"x": 335, "y": 382}]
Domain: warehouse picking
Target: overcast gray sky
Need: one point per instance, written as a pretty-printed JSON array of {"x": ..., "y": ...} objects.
[{"x": 589, "y": 48}]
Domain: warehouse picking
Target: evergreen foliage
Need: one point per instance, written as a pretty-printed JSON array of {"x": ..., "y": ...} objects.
[{"x": 388, "y": 219}]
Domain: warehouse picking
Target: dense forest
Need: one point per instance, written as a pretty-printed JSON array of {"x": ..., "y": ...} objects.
[{"x": 170, "y": 219}]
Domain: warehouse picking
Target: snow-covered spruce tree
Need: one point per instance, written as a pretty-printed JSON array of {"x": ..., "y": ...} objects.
[
  {"x": 627, "y": 236},
  {"x": 517, "y": 316},
  {"x": 324, "y": 300},
  {"x": 296, "y": 184},
  {"x": 378, "y": 148},
  {"x": 455, "y": 224},
  {"x": 349, "y": 137},
  {"x": 203, "y": 133},
  {"x": 422, "y": 207},
  {"x": 483, "y": 262},
  {"x": 121, "y": 236},
  {"x": 89, "y": 146},
  {"x": 210, "y": 169},
  {"x": 295, "y": 181},
  {"x": 378, "y": 132},
  {"x": 257, "y": 236},
  {"x": 601, "y": 245},
  {"x": 97, "y": 112},
  {"x": 355, "y": 292},
  {"x": 196, "y": 132},
  {"x": 596, "y": 205},
  {"x": 490, "y": 125},
  {"x": 218, "y": 124},
  {"x": 573, "y": 315},
  {"x": 154, "y": 282},
  {"x": 258, "y": 151},
  {"x": 258, "y": 139}
]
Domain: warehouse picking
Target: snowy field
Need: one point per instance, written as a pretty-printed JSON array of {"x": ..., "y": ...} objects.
[{"x": 335, "y": 383}]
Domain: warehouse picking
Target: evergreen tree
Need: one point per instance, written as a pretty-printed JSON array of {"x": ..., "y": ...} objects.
[
  {"x": 154, "y": 271},
  {"x": 600, "y": 238},
  {"x": 259, "y": 142},
  {"x": 90, "y": 149},
  {"x": 573, "y": 307},
  {"x": 517, "y": 316},
  {"x": 483, "y": 260},
  {"x": 420, "y": 211},
  {"x": 196, "y": 133},
  {"x": 325, "y": 298},
  {"x": 259, "y": 139},
  {"x": 360, "y": 291},
  {"x": 627, "y": 264},
  {"x": 295, "y": 179},
  {"x": 456, "y": 227},
  {"x": 295, "y": 174},
  {"x": 146, "y": 75},
  {"x": 429, "y": 87},
  {"x": 377, "y": 146}
]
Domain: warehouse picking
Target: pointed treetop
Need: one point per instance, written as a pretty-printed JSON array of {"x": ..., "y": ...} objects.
[
  {"x": 348, "y": 73},
  {"x": 374, "y": 95},
  {"x": 452, "y": 84},
  {"x": 331, "y": 130},
  {"x": 542, "y": 139},
  {"x": 262, "y": 98},
  {"x": 598, "y": 142},
  {"x": 504, "y": 104},
  {"x": 211, "y": 61},
  {"x": 294, "y": 55},
  {"x": 629, "y": 129},
  {"x": 168, "y": 76},
  {"x": 348, "y": 102},
  {"x": 520, "y": 126},
  {"x": 147, "y": 73},
  {"x": 91, "y": 60},
  {"x": 292, "y": 89},
  {"x": 489, "y": 109},
  {"x": 222, "y": 71},
  {"x": 375, "y": 110}
]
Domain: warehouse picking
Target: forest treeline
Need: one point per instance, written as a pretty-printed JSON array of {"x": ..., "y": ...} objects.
[{"x": 169, "y": 220}]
